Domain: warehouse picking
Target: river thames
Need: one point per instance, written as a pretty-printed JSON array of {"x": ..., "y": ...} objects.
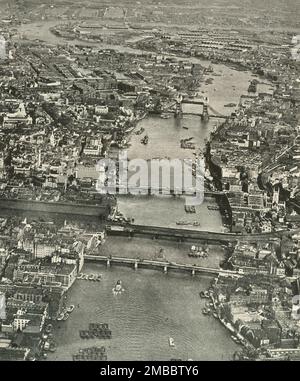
[{"x": 153, "y": 308}]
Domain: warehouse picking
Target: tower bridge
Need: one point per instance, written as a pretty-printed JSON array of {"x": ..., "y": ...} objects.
[{"x": 203, "y": 102}]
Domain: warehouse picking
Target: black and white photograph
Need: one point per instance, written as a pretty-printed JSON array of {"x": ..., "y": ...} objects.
[{"x": 149, "y": 183}]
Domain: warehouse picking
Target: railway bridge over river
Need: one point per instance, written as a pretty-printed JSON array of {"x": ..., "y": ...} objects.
[{"x": 182, "y": 234}]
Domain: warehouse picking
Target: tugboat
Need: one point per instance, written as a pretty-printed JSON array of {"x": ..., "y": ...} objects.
[
  {"x": 145, "y": 140},
  {"x": 140, "y": 131},
  {"x": 118, "y": 289},
  {"x": 171, "y": 342},
  {"x": 71, "y": 308}
]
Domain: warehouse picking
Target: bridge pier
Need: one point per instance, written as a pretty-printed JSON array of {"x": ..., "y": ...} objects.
[
  {"x": 108, "y": 263},
  {"x": 136, "y": 265},
  {"x": 205, "y": 116},
  {"x": 165, "y": 269},
  {"x": 178, "y": 110}
]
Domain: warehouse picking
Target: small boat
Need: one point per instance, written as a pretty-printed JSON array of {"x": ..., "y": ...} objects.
[
  {"x": 197, "y": 254},
  {"x": 235, "y": 339},
  {"x": 215, "y": 315},
  {"x": 49, "y": 328},
  {"x": 171, "y": 342},
  {"x": 52, "y": 347},
  {"x": 118, "y": 289},
  {"x": 66, "y": 317},
  {"x": 91, "y": 277},
  {"x": 145, "y": 140},
  {"x": 185, "y": 127},
  {"x": 98, "y": 278},
  {"x": 79, "y": 276},
  {"x": 60, "y": 317},
  {"x": 83, "y": 334},
  {"x": 85, "y": 277},
  {"x": 212, "y": 207},
  {"x": 128, "y": 130},
  {"x": 181, "y": 223},
  {"x": 71, "y": 308},
  {"x": 206, "y": 311},
  {"x": 201, "y": 294},
  {"x": 190, "y": 209},
  {"x": 140, "y": 131}
]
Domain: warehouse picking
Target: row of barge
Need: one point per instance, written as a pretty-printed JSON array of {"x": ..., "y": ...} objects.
[
  {"x": 91, "y": 354},
  {"x": 96, "y": 331}
]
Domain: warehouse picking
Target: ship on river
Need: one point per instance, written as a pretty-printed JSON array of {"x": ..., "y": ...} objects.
[{"x": 145, "y": 140}]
